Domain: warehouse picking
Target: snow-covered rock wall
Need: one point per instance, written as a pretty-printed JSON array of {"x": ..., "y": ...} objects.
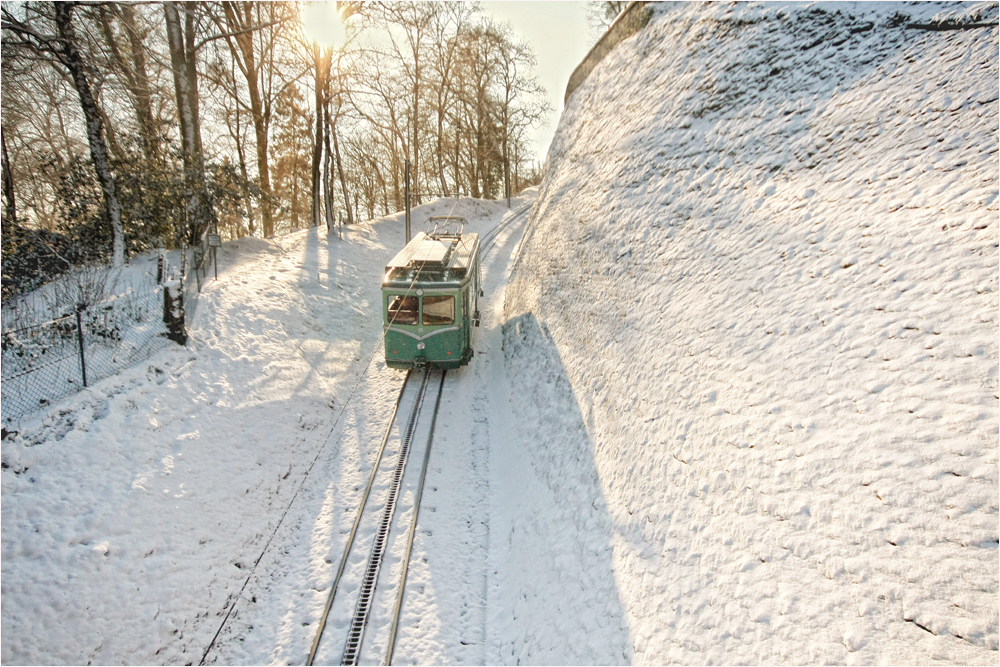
[{"x": 761, "y": 281}]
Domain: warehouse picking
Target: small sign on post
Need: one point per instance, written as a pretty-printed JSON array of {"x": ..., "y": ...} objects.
[{"x": 215, "y": 241}]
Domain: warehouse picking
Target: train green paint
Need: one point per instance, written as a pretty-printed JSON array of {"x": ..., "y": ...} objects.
[{"x": 430, "y": 301}]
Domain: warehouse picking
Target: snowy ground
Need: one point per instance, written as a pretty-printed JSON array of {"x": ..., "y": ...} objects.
[
  {"x": 134, "y": 513},
  {"x": 737, "y": 403},
  {"x": 760, "y": 284}
]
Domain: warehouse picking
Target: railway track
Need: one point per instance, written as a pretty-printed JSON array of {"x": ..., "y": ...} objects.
[
  {"x": 490, "y": 237},
  {"x": 371, "y": 598}
]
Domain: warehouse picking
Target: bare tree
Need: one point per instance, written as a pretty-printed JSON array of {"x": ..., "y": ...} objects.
[
  {"x": 447, "y": 27},
  {"x": 600, "y": 15},
  {"x": 233, "y": 111},
  {"x": 183, "y": 61},
  {"x": 414, "y": 21},
  {"x": 520, "y": 98},
  {"x": 376, "y": 100},
  {"x": 132, "y": 70},
  {"x": 321, "y": 60},
  {"x": 289, "y": 157},
  {"x": 480, "y": 48},
  {"x": 61, "y": 50},
  {"x": 10, "y": 205},
  {"x": 38, "y": 113},
  {"x": 256, "y": 34},
  {"x": 196, "y": 111}
]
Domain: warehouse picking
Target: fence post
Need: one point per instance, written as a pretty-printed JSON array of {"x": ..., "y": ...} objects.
[
  {"x": 79, "y": 338},
  {"x": 161, "y": 265},
  {"x": 173, "y": 311}
]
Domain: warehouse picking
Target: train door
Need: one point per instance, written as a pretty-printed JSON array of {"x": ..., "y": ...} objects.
[
  {"x": 477, "y": 291},
  {"x": 467, "y": 320}
]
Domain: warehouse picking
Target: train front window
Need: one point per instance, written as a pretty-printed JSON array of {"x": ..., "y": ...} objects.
[
  {"x": 439, "y": 310},
  {"x": 403, "y": 310}
]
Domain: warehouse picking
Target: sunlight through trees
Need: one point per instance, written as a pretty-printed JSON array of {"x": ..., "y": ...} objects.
[{"x": 130, "y": 125}]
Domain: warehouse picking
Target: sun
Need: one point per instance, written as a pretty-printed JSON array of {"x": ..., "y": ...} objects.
[{"x": 321, "y": 23}]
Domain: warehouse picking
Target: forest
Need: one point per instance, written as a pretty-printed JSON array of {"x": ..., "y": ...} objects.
[{"x": 128, "y": 126}]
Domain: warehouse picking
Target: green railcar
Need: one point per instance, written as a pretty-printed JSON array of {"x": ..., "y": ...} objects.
[{"x": 430, "y": 299}]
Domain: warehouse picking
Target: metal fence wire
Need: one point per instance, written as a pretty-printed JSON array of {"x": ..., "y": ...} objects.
[
  {"x": 42, "y": 363},
  {"x": 45, "y": 362},
  {"x": 197, "y": 274}
]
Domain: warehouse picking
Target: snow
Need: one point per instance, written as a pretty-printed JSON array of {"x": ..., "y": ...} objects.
[
  {"x": 734, "y": 397},
  {"x": 760, "y": 282},
  {"x": 137, "y": 511},
  {"x": 431, "y": 251}
]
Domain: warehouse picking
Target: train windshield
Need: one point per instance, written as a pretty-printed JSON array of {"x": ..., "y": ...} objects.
[
  {"x": 403, "y": 310},
  {"x": 439, "y": 310}
]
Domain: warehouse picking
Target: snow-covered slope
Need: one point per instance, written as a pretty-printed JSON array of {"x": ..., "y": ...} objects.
[
  {"x": 217, "y": 478},
  {"x": 752, "y": 347}
]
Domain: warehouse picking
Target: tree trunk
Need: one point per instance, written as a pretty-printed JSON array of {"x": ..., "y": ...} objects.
[
  {"x": 478, "y": 166},
  {"x": 506, "y": 172},
  {"x": 440, "y": 155},
  {"x": 340, "y": 172},
  {"x": 458, "y": 161},
  {"x": 327, "y": 185},
  {"x": 397, "y": 198},
  {"x": 318, "y": 63},
  {"x": 10, "y": 207},
  {"x": 185, "y": 87},
  {"x": 250, "y": 68},
  {"x": 416, "y": 123},
  {"x": 143, "y": 97},
  {"x": 517, "y": 170},
  {"x": 385, "y": 198},
  {"x": 263, "y": 169},
  {"x": 95, "y": 129},
  {"x": 114, "y": 147},
  {"x": 241, "y": 156},
  {"x": 133, "y": 75},
  {"x": 190, "y": 61}
]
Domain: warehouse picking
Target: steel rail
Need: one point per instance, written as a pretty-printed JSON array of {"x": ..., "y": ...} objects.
[
  {"x": 357, "y": 521},
  {"x": 492, "y": 233},
  {"x": 413, "y": 527},
  {"x": 489, "y": 239},
  {"x": 370, "y": 579}
]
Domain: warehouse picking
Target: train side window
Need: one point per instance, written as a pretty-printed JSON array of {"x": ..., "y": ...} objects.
[
  {"x": 439, "y": 310},
  {"x": 403, "y": 310}
]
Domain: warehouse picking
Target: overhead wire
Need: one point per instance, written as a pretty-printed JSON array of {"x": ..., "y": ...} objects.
[
  {"x": 322, "y": 448},
  {"x": 305, "y": 477}
]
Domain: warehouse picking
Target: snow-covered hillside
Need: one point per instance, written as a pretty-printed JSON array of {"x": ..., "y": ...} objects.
[
  {"x": 752, "y": 346},
  {"x": 737, "y": 403},
  {"x": 217, "y": 477}
]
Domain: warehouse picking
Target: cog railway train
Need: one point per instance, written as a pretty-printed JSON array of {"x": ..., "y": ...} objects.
[{"x": 430, "y": 298}]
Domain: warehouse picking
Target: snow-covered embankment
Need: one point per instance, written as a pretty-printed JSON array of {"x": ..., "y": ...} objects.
[{"x": 761, "y": 281}]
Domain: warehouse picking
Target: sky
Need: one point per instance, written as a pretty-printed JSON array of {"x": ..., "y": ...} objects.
[{"x": 557, "y": 32}]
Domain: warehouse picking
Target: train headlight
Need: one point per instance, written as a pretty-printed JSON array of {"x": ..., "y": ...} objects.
[{"x": 420, "y": 346}]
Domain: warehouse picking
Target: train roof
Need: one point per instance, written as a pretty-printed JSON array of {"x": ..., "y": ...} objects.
[
  {"x": 438, "y": 252},
  {"x": 434, "y": 258}
]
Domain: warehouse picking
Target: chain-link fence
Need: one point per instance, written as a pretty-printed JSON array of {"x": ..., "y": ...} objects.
[
  {"x": 45, "y": 362},
  {"x": 198, "y": 270}
]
